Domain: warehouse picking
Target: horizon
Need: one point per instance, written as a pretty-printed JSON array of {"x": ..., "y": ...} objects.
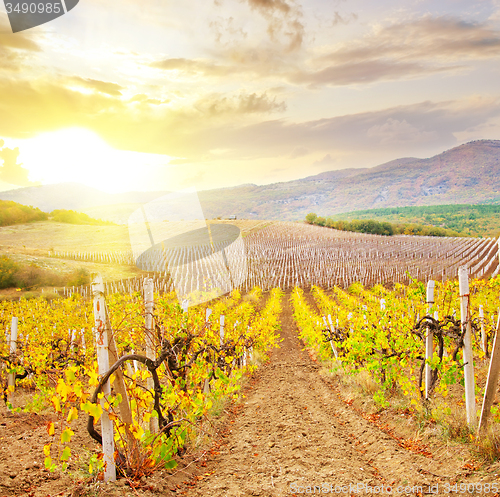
[
  {"x": 124, "y": 96},
  {"x": 243, "y": 184}
]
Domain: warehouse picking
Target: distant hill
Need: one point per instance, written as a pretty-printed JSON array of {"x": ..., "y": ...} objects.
[{"x": 467, "y": 174}]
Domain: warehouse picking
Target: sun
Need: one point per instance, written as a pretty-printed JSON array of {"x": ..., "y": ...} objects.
[{"x": 80, "y": 155}]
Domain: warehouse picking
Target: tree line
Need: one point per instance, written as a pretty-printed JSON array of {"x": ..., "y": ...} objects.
[
  {"x": 373, "y": 227},
  {"x": 13, "y": 213}
]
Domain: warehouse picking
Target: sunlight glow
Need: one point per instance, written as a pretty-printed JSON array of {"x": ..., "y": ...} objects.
[{"x": 79, "y": 155}]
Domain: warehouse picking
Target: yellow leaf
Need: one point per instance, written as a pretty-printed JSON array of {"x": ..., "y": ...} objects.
[
  {"x": 73, "y": 414},
  {"x": 46, "y": 450},
  {"x": 112, "y": 416},
  {"x": 50, "y": 428},
  {"x": 56, "y": 403}
]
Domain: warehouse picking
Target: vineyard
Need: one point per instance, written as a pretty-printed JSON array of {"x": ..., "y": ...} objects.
[
  {"x": 284, "y": 255},
  {"x": 121, "y": 382}
]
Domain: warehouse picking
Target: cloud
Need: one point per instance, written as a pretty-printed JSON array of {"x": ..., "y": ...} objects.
[
  {"x": 327, "y": 160},
  {"x": 12, "y": 172},
  {"x": 15, "y": 48},
  {"x": 404, "y": 50},
  {"x": 298, "y": 152},
  {"x": 446, "y": 38},
  {"x": 100, "y": 86},
  {"x": 364, "y": 72},
  {"x": 225, "y": 27},
  {"x": 411, "y": 129},
  {"x": 240, "y": 104},
  {"x": 193, "y": 66},
  {"x": 283, "y": 21},
  {"x": 393, "y": 132},
  {"x": 339, "y": 19}
]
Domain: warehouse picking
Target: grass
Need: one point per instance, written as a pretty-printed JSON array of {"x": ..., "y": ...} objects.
[{"x": 31, "y": 276}]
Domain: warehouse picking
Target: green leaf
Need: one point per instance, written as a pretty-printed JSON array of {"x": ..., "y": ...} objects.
[
  {"x": 171, "y": 464},
  {"x": 66, "y": 453}
]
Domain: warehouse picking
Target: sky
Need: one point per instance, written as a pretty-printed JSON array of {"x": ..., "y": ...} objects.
[{"x": 128, "y": 95}]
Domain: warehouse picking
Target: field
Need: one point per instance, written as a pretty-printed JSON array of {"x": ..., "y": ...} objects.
[{"x": 312, "y": 374}]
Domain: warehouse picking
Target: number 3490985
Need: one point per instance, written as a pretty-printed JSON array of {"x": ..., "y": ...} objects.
[{"x": 33, "y": 8}]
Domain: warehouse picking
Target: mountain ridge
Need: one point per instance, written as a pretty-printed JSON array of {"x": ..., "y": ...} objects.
[{"x": 468, "y": 173}]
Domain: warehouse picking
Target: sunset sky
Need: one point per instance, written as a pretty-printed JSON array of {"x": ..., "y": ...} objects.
[{"x": 158, "y": 95}]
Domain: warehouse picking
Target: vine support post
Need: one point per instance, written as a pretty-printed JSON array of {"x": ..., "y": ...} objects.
[
  {"x": 206, "y": 385},
  {"x": 222, "y": 330},
  {"x": 330, "y": 325},
  {"x": 100, "y": 318},
  {"x": 470, "y": 399},
  {"x": 11, "y": 380},
  {"x": 150, "y": 349},
  {"x": 491, "y": 381},
  {"x": 483, "y": 333},
  {"x": 429, "y": 338}
]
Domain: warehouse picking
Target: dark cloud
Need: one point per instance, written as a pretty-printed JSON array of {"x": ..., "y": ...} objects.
[{"x": 12, "y": 172}]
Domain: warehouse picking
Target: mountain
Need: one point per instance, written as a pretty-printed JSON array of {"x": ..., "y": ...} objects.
[{"x": 467, "y": 174}]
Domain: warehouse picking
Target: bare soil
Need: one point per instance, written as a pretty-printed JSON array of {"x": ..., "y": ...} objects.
[{"x": 292, "y": 432}]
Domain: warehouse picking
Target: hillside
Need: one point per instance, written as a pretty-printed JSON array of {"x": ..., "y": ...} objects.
[
  {"x": 14, "y": 213},
  {"x": 472, "y": 220},
  {"x": 468, "y": 173}
]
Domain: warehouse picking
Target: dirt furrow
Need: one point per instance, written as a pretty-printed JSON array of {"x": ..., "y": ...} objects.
[{"x": 294, "y": 432}]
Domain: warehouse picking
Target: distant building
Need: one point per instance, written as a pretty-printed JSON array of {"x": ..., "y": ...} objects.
[{"x": 232, "y": 217}]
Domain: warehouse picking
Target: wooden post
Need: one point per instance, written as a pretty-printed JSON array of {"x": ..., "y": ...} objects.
[
  {"x": 11, "y": 380},
  {"x": 483, "y": 332},
  {"x": 470, "y": 399},
  {"x": 119, "y": 383},
  {"x": 207, "y": 314},
  {"x": 108, "y": 444},
  {"x": 221, "y": 330},
  {"x": 150, "y": 349},
  {"x": 206, "y": 386},
  {"x": 331, "y": 330},
  {"x": 84, "y": 347},
  {"x": 491, "y": 381},
  {"x": 429, "y": 338}
]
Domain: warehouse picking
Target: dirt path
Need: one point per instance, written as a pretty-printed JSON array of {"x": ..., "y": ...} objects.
[{"x": 294, "y": 432}]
